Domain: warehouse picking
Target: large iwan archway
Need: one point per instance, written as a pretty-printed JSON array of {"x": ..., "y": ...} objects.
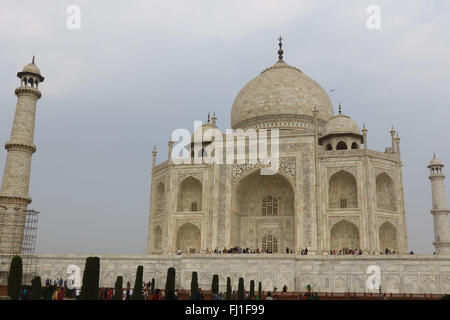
[
  {"x": 262, "y": 205},
  {"x": 188, "y": 238}
]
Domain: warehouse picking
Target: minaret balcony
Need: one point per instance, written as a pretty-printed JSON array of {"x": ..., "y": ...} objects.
[
  {"x": 28, "y": 90},
  {"x": 20, "y": 147}
]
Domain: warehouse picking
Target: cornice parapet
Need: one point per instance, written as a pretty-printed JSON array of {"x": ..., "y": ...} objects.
[
  {"x": 160, "y": 167},
  {"x": 383, "y": 155},
  {"x": 358, "y": 152},
  {"x": 441, "y": 244}
]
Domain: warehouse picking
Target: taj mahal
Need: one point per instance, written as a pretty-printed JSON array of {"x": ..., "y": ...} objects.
[
  {"x": 331, "y": 190},
  {"x": 331, "y": 193}
]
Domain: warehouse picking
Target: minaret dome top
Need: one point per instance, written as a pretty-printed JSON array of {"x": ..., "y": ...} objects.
[{"x": 31, "y": 69}]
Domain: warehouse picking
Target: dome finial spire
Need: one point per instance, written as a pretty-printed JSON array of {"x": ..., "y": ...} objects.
[
  {"x": 340, "y": 108},
  {"x": 32, "y": 61},
  {"x": 280, "y": 51}
]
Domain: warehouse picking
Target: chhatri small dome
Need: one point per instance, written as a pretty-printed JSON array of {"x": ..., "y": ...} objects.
[
  {"x": 435, "y": 162},
  {"x": 280, "y": 92},
  {"x": 341, "y": 124},
  {"x": 31, "y": 69},
  {"x": 204, "y": 127}
]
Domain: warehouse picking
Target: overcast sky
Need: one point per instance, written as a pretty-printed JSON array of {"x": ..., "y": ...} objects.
[{"x": 136, "y": 70}]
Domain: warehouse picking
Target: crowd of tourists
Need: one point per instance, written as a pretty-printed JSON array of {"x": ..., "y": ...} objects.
[
  {"x": 387, "y": 251},
  {"x": 346, "y": 251},
  {"x": 358, "y": 252},
  {"x": 57, "y": 290},
  {"x": 333, "y": 252},
  {"x": 240, "y": 250},
  {"x": 304, "y": 252},
  {"x": 57, "y": 283},
  {"x": 127, "y": 293}
]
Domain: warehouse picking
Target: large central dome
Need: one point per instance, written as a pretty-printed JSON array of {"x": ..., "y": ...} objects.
[{"x": 281, "y": 96}]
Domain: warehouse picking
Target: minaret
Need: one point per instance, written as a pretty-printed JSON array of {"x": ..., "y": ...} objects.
[
  {"x": 14, "y": 193},
  {"x": 440, "y": 210}
]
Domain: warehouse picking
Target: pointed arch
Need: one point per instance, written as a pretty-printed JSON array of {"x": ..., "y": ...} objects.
[
  {"x": 342, "y": 191},
  {"x": 189, "y": 196},
  {"x": 385, "y": 193},
  {"x": 160, "y": 197},
  {"x": 157, "y": 239},
  {"x": 188, "y": 238},
  {"x": 250, "y": 221},
  {"x": 267, "y": 284},
  {"x": 257, "y": 170},
  {"x": 341, "y": 146},
  {"x": 387, "y": 236},
  {"x": 344, "y": 235}
]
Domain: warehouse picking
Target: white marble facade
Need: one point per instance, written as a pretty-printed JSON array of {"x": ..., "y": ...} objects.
[
  {"x": 331, "y": 191},
  {"x": 399, "y": 273}
]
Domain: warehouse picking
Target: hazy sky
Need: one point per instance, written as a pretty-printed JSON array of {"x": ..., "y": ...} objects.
[{"x": 139, "y": 69}]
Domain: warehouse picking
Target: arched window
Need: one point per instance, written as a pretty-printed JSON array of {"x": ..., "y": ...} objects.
[
  {"x": 385, "y": 193},
  {"x": 189, "y": 192},
  {"x": 344, "y": 235},
  {"x": 269, "y": 206},
  {"x": 343, "y": 191},
  {"x": 355, "y": 145},
  {"x": 160, "y": 199},
  {"x": 329, "y": 147},
  {"x": 388, "y": 237},
  {"x": 157, "y": 239},
  {"x": 188, "y": 238},
  {"x": 341, "y": 146},
  {"x": 270, "y": 243}
]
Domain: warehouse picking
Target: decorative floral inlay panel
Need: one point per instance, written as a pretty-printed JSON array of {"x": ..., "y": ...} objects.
[{"x": 286, "y": 166}]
